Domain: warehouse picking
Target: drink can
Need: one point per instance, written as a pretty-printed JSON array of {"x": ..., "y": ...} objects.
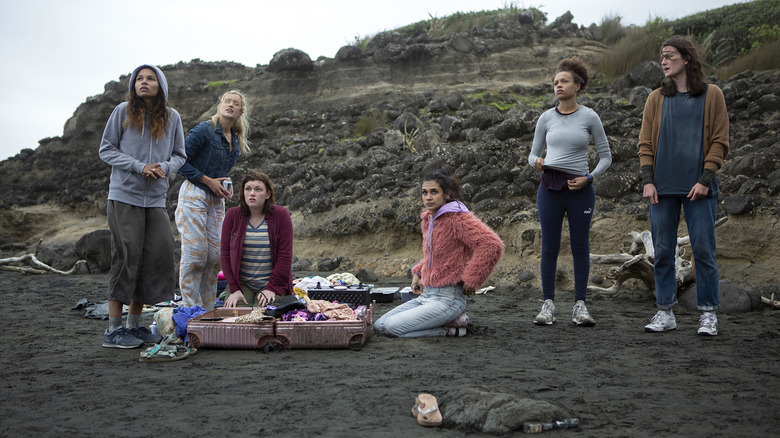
[{"x": 228, "y": 185}]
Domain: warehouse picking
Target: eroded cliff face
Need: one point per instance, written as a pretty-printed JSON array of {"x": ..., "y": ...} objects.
[{"x": 470, "y": 100}]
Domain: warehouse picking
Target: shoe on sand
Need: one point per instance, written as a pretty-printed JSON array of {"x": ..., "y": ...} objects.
[
  {"x": 121, "y": 338},
  {"x": 709, "y": 324},
  {"x": 661, "y": 322},
  {"x": 545, "y": 317},
  {"x": 580, "y": 315}
]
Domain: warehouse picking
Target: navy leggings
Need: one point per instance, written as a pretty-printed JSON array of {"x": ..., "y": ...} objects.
[{"x": 578, "y": 207}]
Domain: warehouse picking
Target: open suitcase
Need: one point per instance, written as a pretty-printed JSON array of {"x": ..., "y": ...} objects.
[{"x": 214, "y": 329}]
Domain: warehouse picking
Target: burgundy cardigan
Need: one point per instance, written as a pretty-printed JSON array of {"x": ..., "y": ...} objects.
[{"x": 280, "y": 235}]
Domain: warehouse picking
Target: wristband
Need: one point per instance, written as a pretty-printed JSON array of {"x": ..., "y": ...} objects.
[{"x": 590, "y": 178}]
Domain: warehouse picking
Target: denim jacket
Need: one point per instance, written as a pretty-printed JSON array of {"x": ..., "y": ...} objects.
[{"x": 208, "y": 153}]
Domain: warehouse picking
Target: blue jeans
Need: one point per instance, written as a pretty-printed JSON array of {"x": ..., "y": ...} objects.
[
  {"x": 424, "y": 315},
  {"x": 578, "y": 207},
  {"x": 700, "y": 217}
]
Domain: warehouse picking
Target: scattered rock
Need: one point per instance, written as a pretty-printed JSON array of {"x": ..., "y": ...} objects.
[
  {"x": 290, "y": 60},
  {"x": 329, "y": 264},
  {"x": 95, "y": 248},
  {"x": 366, "y": 275}
]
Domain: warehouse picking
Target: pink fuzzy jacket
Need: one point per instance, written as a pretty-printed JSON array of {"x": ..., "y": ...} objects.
[{"x": 465, "y": 250}]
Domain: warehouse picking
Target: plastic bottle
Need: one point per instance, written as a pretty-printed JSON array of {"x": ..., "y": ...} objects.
[
  {"x": 153, "y": 328},
  {"x": 569, "y": 423}
]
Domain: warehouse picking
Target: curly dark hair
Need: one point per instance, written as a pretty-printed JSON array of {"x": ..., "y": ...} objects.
[
  {"x": 694, "y": 72},
  {"x": 443, "y": 176},
  {"x": 577, "y": 68}
]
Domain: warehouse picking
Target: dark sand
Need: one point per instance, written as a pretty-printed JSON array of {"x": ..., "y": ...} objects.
[{"x": 57, "y": 379}]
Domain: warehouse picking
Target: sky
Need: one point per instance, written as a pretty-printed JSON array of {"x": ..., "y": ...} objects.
[{"x": 57, "y": 53}]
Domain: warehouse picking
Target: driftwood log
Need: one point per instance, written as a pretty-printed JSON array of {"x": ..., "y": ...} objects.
[
  {"x": 639, "y": 265},
  {"x": 40, "y": 267},
  {"x": 771, "y": 301}
]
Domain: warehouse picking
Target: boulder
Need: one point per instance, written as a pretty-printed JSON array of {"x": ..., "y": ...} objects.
[
  {"x": 647, "y": 74},
  {"x": 290, "y": 60},
  {"x": 407, "y": 123},
  {"x": 95, "y": 248},
  {"x": 329, "y": 264},
  {"x": 349, "y": 53},
  {"x": 734, "y": 298},
  {"x": 366, "y": 275}
]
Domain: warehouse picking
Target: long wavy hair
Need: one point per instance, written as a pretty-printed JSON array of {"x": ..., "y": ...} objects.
[
  {"x": 443, "y": 176},
  {"x": 137, "y": 110},
  {"x": 693, "y": 70},
  {"x": 269, "y": 187},
  {"x": 241, "y": 127}
]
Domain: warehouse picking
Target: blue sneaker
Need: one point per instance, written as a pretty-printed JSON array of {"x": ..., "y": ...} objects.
[
  {"x": 121, "y": 338},
  {"x": 146, "y": 335}
]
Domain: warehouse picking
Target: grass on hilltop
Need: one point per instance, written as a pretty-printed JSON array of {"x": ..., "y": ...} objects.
[{"x": 733, "y": 38}]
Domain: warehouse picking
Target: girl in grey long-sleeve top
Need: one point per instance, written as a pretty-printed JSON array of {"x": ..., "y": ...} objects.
[
  {"x": 566, "y": 184},
  {"x": 143, "y": 142}
]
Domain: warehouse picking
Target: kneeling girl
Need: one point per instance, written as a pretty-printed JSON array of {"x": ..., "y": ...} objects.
[{"x": 459, "y": 254}]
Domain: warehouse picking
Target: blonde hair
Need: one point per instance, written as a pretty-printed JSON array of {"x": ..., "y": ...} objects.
[{"x": 241, "y": 127}]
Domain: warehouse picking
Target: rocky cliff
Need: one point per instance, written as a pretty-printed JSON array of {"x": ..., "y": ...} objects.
[{"x": 346, "y": 140}]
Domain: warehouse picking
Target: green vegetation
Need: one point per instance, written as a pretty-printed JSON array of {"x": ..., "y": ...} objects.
[
  {"x": 506, "y": 101},
  {"x": 369, "y": 123},
  {"x": 538, "y": 102},
  {"x": 734, "y": 37},
  {"x": 216, "y": 84},
  {"x": 502, "y": 106},
  {"x": 409, "y": 138},
  {"x": 639, "y": 44},
  {"x": 611, "y": 30},
  {"x": 460, "y": 22},
  {"x": 501, "y": 102},
  {"x": 764, "y": 57},
  {"x": 361, "y": 42}
]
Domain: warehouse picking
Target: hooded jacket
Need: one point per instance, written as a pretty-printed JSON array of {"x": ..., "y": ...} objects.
[
  {"x": 459, "y": 248},
  {"x": 127, "y": 151}
]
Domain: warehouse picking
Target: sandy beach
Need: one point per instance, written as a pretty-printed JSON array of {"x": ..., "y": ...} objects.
[{"x": 618, "y": 380}]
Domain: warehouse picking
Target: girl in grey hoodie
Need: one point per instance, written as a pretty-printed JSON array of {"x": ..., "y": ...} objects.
[{"x": 143, "y": 142}]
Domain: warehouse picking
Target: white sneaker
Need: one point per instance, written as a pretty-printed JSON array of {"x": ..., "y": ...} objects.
[
  {"x": 661, "y": 322},
  {"x": 545, "y": 317},
  {"x": 709, "y": 324},
  {"x": 580, "y": 315}
]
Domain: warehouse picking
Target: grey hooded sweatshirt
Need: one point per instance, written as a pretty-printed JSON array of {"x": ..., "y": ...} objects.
[{"x": 127, "y": 150}]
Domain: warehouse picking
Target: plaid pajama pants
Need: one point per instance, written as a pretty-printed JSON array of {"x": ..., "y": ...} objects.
[{"x": 199, "y": 217}]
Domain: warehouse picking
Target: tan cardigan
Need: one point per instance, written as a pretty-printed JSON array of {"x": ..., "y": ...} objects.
[{"x": 715, "y": 135}]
